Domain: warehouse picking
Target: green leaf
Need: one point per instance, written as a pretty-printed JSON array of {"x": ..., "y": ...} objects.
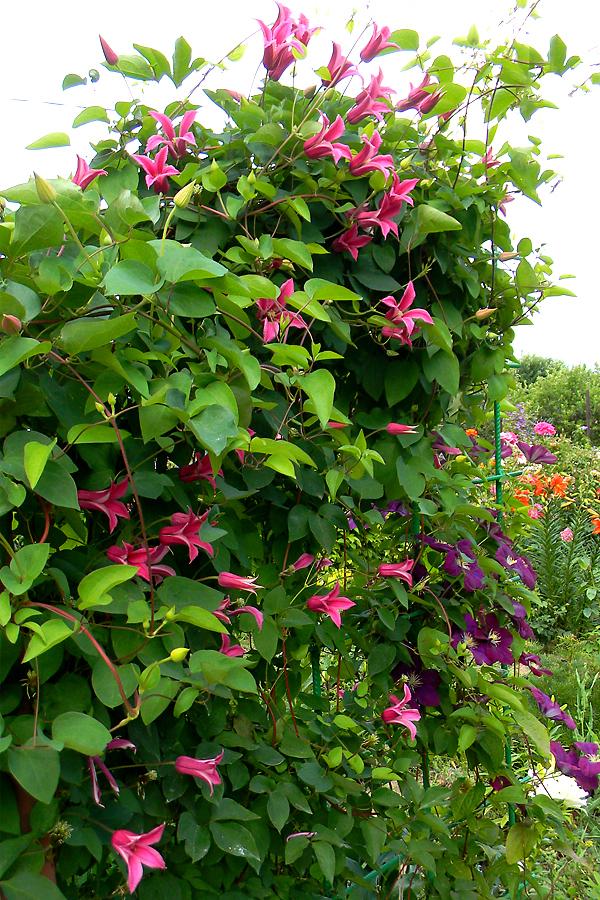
[
  {"x": 196, "y": 837},
  {"x": 217, "y": 668},
  {"x": 15, "y": 350},
  {"x": 430, "y": 220},
  {"x": 178, "y": 262},
  {"x": 410, "y": 479},
  {"x": 36, "y": 769},
  {"x": 80, "y": 732},
  {"x": 88, "y": 433},
  {"x": 57, "y": 486},
  {"x": 130, "y": 278},
  {"x": 87, "y": 334},
  {"x": 95, "y": 586},
  {"x": 90, "y": 114},
  {"x": 319, "y": 386},
  {"x": 520, "y": 841},
  {"x": 374, "y": 833},
  {"x": 326, "y": 859},
  {"x": 54, "y": 139},
  {"x": 214, "y": 427},
  {"x": 182, "y": 55},
  {"x": 406, "y": 38},
  {"x": 296, "y": 251},
  {"x": 25, "y": 566},
  {"x": 234, "y": 839},
  {"x": 201, "y": 618},
  {"x": 29, "y": 886},
  {"x": 36, "y": 227},
  {"x": 35, "y": 457},
  {"x": 72, "y": 80},
  {"x": 53, "y": 632},
  {"x": 445, "y": 369},
  {"x": 534, "y": 729},
  {"x": 319, "y": 289},
  {"x": 104, "y": 684},
  {"x": 156, "y": 701},
  {"x": 11, "y": 849}
]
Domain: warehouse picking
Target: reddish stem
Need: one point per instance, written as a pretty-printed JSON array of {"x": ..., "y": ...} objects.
[{"x": 44, "y": 534}]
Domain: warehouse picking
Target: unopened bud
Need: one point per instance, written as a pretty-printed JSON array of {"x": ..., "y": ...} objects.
[
  {"x": 251, "y": 178},
  {"x": 10, "y": 324},
  {"x": 179, "y": 654},
  {"x": 109, "y": 54},
  {"x": 182, "y": 198},
  {"x": 170, "y": 614},
  {"x": 486, "y": 312},
  {"x": 45, "y": 191},
  {"x": 309, "y": 92},
  {"x": 100, "y": 407},
  {"x": 111, "y": 399},
  {"x": 508, "y": 255}
]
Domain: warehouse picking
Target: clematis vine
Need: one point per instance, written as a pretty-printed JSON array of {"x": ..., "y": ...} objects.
[
  {"x": 339, "y": 67},
  {"x": 281, "y": 39},
  {"x": 399, "y": 713},
  {"x": 377, "y": 43},
  {"x": 107, "y": 502},
  {"x": 177, "y": 144},
  {"x": 238, "y": 582},
  {"x": 200, "y": 469},
  {"x": 325, "y": 142},
  {"x": 137, "y": 851},
  {"x": 84, "y": 175},
  {"x": 274, "y": 315},
  {"x": 157, "y": 171},
  {"x": 185, "y": 530},
  {"x": 403, "y": 318},
  {"x": 487, "y": 641},
  {"x": 373, "y": 100},
  {"x": 204, "y": 769},
  {"x": 96, "y": 761},
  {"x": 351, "y": 242},
  {"x": 224, "y": 613},
  {"x": 229, "y": 649},
  {"x": 144, "y": 559},
  {"x": 551, "y": 709},
  {"x": 331, "y": 604},
  {"x": 389, "y": 207},
  {"x": 368, "y": 159}
]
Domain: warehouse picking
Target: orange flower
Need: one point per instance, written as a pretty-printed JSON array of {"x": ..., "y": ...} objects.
[
  {"x": 540, "y": 486},
  {"x": 559, "y": 484},
  {"x": 472, "y": 432},
  {"x": 522, "y": 495},
  {"x": 595, "y": 524}
]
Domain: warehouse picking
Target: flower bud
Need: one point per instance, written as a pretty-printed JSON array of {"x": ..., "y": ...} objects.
[
  {"x": 486, "y": 312},
  {"x": 45, "y": 191},
  {"x": 251, "y": 178},
  {"x": 309, "y": 92},
  {"x": 100, "y": 407},
  {"x": 109, "y": 54},
  {"x": 10, "y": 324},
  {"x": 170, "y": 614},
  {"x": 111, "y": 399},
  {"x": 182, "y": 198},
  {"x": 179, "y": 654},
  {"x": 508, "y": 255}
]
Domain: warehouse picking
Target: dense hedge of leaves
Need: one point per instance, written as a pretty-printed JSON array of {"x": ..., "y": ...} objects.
[{"x": 209, "y": 346}]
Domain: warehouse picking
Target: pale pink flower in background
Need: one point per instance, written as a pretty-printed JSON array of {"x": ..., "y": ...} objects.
[
  {"x": 536, "y": 511},
  {"x": 544, "y": 429},
  {"x": 566, "y": 535}
]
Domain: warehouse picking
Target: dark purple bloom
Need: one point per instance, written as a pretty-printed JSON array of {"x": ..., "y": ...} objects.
[
  {"x": 551, "y": 709},
  {"x": 487, "y": 641},
  {"x": 461, "y": 559},
  {"x": 423, "y": 683},
  {"x": 534, "y": 663},
  {"x": 505, "y": 450},
  {"x": 511, "y": 561},
  {"x": 500, "y": 782},
  {"x": 520, "y": 620},
  {"x": 577, "y": 764},
  {"x": 442, "y": 447},
  {"x": 536, "y": 453}
]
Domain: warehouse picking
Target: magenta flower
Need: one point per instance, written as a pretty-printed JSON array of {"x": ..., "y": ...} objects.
[
  {"x": 534, "y": 664},
  {"x": 577, "y": 763},
  {"x": 508, "y": 198},
  {"x": 399, "y": 570},
  {"x": 223, "y": 613},
  {"x": 108, "y": 502},
  {"x": 303, "y": 562},
  {"x": 109, "y": 54},
  {"x": 390, "y": 206},
  {"x": 566, "y": 535},
  {"x": 176, "y": 143},
  {"x": 369, "y": 102},
  {"x": 156, "y": 170},
  {"x": 238, "y": 582},
  {"x": 200, "y": 469},
  {"x": 416, "y": 95},
  {"x": 339, "y": 67},
  {"x": 351, "y": 242},
  {"x": 229, "y": 649},
  {"x": 403, "y": 318},
  {"x": 281, "y": 39},
  {"x": 536, "y": 511},
  {"x": 137, "y": 852},
  {"x": 306, "y": 834},
  {"x": 84, "y": 175},
  {"x": 398, "y": 428},
  {"x": 274, "y": 315},
  {"x": 323, "y": 143},
  {"x": 331, "y": 604},
  {"x": 367, "y": 160},
  {"x": 488, "y": 159},
  {"x": 93, "y": 761},
  {"x": 204, "y": 769},
  {"x": 551, "y": 709},
  {"x": 544, "y": 429},
  {"x": 397, "y": 713},
  {"x": 185, "y": 529},
  {"x": 142, "y": 559},
  {"x": 377, "y": 43}
]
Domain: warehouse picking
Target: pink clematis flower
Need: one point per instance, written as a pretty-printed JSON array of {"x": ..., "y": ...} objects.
[
  {"x": 426, "y": 105},
  {"x": 399, "y": 570},
  {"x": 109, "y": 54},
  {"x": 176, "y": 143},
  {"x": 238, "y": 582},
  {"x": 137, "y": 852},
  {"x": 303, "y": 562},
  {"x": 508, "y": 198},
  {"x": 205, "y": 769},
  {"x": 229, "y": 649},
  {"x": 200, "y": 469},
  {"x": 129, "y": 556},
  {"x": 397, "y": 713},
  {"x": 415, "y": 96},
  {"x": 324, "y": 142},
  {"x": 488, "y": 159},
  {"x": 331, "y": 604},
  {"x": 368, "y": 102},
  {"x": 351, "y": 242},
  {"x": 403, "y": 318},
  {"x": 339, "y": 67},
  {"x": 367, "y": 160},
  {"x": 398, "y": 428},
  {"x": 108, "y": 502},
  {"x": 377, "y": 43},
  {"x": 273, "y": 313},
  {"x": 185, "y": 529},
  {"x": 156, "y": 170},
  {"x": 390, "y": 206},
  {"x": 93, "y": 761},
  {"x": 223, "y": 613},
  {"x": 281, "y": 39},
  {"x": 84, "y": 175}
]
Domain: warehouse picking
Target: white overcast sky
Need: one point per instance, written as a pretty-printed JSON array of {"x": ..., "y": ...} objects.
[{"x": 43, "y": 41}]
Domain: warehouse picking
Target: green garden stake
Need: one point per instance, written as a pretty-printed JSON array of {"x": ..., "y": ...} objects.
[{"x": 315, "y": 662}]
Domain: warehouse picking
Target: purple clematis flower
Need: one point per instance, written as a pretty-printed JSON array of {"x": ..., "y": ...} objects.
[
  {"x": 511, "y": 561},
  {"x": 551, "y": 709},
  {"x": 536, "y": 453},
  {"x": 487, "y": 641},
  {"x": 577, "y": 763},
  {"x": 423, "y": 683},
  {"x": 461, "y": 559},
  {"x": 534, "y": 664},
  {"x": 520, "y": 620}
]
